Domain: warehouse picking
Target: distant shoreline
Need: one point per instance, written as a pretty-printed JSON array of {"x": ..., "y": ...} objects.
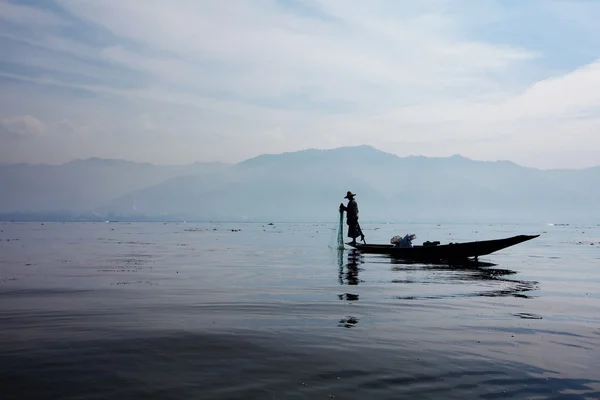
[{"x": 37, "y": 218}]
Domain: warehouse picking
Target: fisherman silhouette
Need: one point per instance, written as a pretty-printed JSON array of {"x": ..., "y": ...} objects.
[{"x": 351, "y": 209}]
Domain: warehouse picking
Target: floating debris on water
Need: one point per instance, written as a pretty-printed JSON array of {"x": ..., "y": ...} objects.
[
  {"x": 527, "y": 316},
  {"x": 132, "y": 242},
  {"x": 348, "y": 296},
  {"x": 348, "y": 322},
  {"x": 591, "y": 242},
  {"x": 117, "y": 270},
  {"x": 135, "y": 282}
]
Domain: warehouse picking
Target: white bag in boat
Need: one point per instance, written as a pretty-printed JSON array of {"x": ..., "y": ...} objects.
[
  {"x": 405, "y": 241},
  {"x": 396, "y": 239}
]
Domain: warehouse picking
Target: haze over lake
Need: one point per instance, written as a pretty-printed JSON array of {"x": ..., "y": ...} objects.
[{"x": 302, "y": 186}]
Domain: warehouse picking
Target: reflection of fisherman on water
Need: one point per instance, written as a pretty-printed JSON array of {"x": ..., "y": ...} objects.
[{"x": 350, "y": 277}]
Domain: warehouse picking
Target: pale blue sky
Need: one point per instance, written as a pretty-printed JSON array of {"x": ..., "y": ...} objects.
[{"x": 189, "y": 80}]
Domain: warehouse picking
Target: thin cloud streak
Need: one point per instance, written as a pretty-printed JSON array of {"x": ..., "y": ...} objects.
[{"x": 233, "y": 80}]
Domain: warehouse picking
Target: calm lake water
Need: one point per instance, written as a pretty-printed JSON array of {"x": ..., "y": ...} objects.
[{"x": 257, "y": 311}]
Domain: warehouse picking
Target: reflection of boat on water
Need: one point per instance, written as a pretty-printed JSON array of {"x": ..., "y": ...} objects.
[
  {"x": 470, "y": 272},
  {"x": 452, "y": 252}
]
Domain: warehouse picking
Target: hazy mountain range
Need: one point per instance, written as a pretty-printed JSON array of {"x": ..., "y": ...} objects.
[{"x": 301, "y": 186}]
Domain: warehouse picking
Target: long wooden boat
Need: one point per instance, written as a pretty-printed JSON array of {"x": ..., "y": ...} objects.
[{"x": 444, "y": 252}]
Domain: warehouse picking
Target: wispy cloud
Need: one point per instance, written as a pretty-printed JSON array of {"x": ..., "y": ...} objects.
[
  {"x": 21, "y": 126},
  {"x": 177, "y": 81},
  {"x": 18, "y": 14}
]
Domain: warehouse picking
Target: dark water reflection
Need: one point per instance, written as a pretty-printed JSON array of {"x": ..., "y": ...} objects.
[
  {"x": 348, "y": 272},
  {"x": 468, "y": 273},
  {"x": 348, "y": 275}
]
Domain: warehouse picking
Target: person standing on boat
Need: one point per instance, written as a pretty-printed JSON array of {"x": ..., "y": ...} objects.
[{"x": 351, "y": 209}]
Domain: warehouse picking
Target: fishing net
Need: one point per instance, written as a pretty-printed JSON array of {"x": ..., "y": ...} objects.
[
  {"x": 337, "y": 233},
  {"x": 340, "y": 237}
]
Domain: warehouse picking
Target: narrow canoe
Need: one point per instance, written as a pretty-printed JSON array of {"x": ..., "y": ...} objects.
[{"x": 444, "y": 252}]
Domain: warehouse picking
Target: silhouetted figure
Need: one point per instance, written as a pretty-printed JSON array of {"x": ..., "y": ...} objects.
[{"x": 351, "y": 209}]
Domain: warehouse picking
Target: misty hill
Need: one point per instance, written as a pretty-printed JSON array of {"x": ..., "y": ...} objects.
[
  {"x": 81, "y": 185},
  {"x": 308, "y": 185}
]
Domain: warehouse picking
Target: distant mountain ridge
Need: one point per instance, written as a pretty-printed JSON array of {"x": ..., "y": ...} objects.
[
  {"x": 305, "y": 185},
  {"x": 362, "y": 150},
  {"x": 79, "y": 186}
]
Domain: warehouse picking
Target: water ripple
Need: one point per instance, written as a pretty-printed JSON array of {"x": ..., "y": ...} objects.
[{"x": 155, "y": 311}]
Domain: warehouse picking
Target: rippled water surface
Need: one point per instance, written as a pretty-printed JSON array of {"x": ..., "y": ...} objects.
[{"x": 258, "y": 311}]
